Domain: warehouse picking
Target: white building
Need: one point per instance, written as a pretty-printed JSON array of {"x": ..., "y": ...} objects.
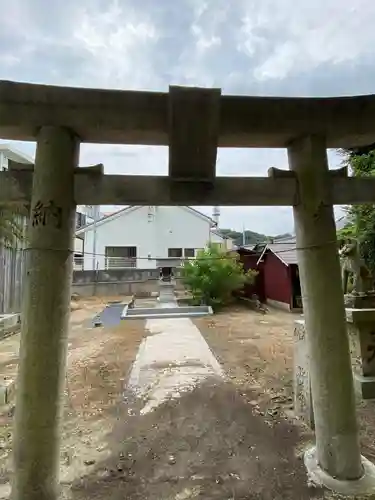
[
  {"x": 8, "y": 152},
  {"x": 85, "y": 215},
  {"x": 143, "y": 237}
]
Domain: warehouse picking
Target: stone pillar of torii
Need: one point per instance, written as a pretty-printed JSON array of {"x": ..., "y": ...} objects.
[{"x": 193, "y": 122}]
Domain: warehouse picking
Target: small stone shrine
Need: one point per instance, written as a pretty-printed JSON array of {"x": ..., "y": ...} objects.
[{"x": 360, "y": 314}]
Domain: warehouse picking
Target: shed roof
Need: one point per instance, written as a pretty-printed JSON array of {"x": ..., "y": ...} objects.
[
  {"x": 245, "y": 250},
  {"x": 285, "y": 250}
]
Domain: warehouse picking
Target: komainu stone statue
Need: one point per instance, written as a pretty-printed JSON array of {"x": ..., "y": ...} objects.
[{"x": 353, "y": 264}]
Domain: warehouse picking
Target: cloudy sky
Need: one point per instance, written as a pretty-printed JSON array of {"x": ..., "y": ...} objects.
[{"x": 254, "y": 47}]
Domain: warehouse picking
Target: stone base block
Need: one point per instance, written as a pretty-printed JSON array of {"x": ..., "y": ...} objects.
[
  {"x": 278, "y": 305},
  {"x": 364, "y": 386},
  {"x": 361, "y": 301},
  {"x": 7, "y": 391},
  {"x": 363, "y": 486}
]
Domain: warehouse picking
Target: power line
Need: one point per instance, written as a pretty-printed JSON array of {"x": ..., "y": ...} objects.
[{"x": 224, "y": 256}]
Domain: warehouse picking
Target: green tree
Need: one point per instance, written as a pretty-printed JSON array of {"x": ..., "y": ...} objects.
[
  {"x": 361, "y": 218},
  {"x": 214, "y": 275}
]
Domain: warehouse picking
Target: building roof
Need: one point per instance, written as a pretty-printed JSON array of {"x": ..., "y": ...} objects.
[
  {"x": 285, "y": 250},
  {"x": 245, "y": 250},
  {"x": 248, "y": 247},
  {"x": 13, "y": 154},
  {"x": 129, "y": 209},
  {"x": 219, "y": 233}
]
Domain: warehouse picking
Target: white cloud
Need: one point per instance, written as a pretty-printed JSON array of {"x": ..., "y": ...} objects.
[
  {"x": 118, "y": 44},
  {"x": 301, "y": 36}
]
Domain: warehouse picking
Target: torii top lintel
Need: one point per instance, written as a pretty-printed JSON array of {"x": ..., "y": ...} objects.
[{"x": 140, "y": 117}]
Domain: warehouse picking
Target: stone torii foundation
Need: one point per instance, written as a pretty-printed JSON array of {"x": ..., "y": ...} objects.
[{"x": 193, "y": 123}]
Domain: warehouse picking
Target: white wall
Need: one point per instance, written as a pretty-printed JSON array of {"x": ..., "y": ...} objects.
[
  {"x": 3, "y": 161},
  {"x": 216, "y": 238},
  {"x": 128, "y": 229},
  {"x": 177, "y": 227},
  {"x": 78, "y": 245},
  {"x": 225, "y": 243},
  {"x": 170, "y": 227}
]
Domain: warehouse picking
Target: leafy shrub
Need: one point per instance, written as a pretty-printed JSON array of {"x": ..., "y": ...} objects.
[{"x": 213, "y": 276}]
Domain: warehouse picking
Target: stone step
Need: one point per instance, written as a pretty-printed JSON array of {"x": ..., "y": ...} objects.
[{"x": 166, "y": 312}]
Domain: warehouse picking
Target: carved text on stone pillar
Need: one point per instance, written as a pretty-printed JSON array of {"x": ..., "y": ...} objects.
[
  {"x": 299, "y": 333},
  {"x": 301, "y": 380},
  {"x": 45, "y": 214}
]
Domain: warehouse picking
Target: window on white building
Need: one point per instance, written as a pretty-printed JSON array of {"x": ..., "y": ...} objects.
[
  {"x": 189, "y": 253},
  {"x": 120, "y": 257},
  {"x": 175, "y": 253}
]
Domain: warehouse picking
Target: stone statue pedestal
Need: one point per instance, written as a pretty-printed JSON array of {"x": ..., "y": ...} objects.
[
  {"x": 303, "y": 407},
  {"x": 361, "y": 329},
  {"x": 360, "y": 300}
]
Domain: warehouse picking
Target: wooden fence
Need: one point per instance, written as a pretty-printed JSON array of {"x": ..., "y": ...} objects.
[{"x": 12, "y": 263}]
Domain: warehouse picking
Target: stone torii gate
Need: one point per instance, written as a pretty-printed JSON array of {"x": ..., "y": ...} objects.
[{"x": 193, "y": 122}]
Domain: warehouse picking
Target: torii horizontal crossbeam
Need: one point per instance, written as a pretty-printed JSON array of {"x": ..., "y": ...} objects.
[
  {"x": 135, "y": 117},
  {"x": 91, "y": 189}
]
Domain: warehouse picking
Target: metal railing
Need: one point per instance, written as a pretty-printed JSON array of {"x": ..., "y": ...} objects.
[
  {"x": 78, "y": 263},
  {"x": 81, "y": 263},
  {"x": 120, "y": 262}
]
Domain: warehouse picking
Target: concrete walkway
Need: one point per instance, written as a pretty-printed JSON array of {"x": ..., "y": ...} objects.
[{"x": 173, "y": 358}]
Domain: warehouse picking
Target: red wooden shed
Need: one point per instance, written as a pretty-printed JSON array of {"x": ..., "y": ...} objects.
[
  {"x": 277, "y": 282},
  {"x": 249, "y": 260},
  {"x": 280, "y": 274}
]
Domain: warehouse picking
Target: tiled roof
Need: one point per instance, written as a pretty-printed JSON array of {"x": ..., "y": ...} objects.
[{"x": 285, "y": 250}]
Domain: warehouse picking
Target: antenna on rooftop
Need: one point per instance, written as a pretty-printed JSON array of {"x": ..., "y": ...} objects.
[{"x": 216, "y": 215}]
